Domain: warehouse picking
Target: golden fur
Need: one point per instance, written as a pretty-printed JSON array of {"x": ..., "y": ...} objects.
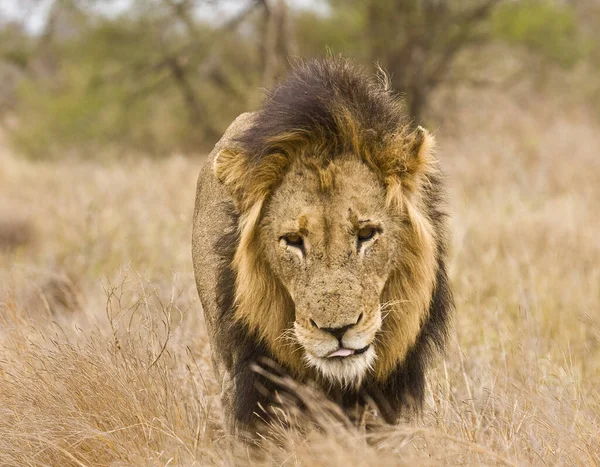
[
  {"x": 403, "y": 162},
  {"x": 330, "y": 153}
]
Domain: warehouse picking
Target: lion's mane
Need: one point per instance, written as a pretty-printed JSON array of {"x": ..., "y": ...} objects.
[{"x": 331, "y": 108}]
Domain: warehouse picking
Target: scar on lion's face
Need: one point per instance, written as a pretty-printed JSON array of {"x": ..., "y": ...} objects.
[{"x": 332, "y": 241}]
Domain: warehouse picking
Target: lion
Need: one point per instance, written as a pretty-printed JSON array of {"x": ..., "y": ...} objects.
[{"x": 320, "y": 242}]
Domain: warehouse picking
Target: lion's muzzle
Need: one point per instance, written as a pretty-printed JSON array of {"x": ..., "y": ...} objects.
[{"x": 341, "y": 353}]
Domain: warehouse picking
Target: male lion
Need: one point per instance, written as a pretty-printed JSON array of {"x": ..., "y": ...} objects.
[{"x": 320, "y": 242}]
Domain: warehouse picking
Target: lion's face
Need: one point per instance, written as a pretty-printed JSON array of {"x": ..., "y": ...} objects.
[{"x": 329, "y": 237}]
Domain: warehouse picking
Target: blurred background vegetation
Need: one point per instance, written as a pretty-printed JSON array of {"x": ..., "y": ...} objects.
[{"x": 94, "y": 78}]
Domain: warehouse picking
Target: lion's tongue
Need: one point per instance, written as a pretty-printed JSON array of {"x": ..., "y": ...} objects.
[{"x": 341, "y": 352}]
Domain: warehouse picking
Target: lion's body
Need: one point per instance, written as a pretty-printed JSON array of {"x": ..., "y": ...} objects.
[
  {"x": 320, "y": 213},
  {"x": 213, "y": 247}
]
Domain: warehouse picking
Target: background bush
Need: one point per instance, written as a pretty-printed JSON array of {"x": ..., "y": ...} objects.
[{"x": 161, "y": 76}]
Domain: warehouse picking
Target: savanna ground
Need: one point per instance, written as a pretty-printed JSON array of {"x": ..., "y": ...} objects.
[{"x": 104, "y": 358}]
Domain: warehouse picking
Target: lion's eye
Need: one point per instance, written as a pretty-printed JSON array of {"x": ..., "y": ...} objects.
[
  {"x": 294, "y": 239},
  {"x": 366, "y": 233}
]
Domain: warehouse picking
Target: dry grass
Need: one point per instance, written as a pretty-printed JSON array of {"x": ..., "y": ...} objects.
[{"x": 104, "y": 359}]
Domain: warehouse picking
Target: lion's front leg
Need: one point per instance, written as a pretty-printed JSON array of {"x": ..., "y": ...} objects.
[{"x": 244, "y": 392}]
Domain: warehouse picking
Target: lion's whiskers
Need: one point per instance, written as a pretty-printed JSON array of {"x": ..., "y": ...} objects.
[{"x": 287, "y": 335}]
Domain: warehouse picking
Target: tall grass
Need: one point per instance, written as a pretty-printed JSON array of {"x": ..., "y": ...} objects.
[{"x": 104, "y": 358}]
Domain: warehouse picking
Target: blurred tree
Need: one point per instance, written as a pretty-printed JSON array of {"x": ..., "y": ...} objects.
[
  {"x": 549, "y": 30},
  {"x": 417, "y": 41},
  {"x": 15, "y": 52},
  {"x": 156, "y": 76}
]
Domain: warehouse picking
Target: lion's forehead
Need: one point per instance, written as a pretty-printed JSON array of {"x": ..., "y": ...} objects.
[{"x": 342, "y": 192}]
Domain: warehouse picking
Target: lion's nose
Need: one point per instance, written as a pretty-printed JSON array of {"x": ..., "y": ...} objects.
[{"x": 337, "y": 332}]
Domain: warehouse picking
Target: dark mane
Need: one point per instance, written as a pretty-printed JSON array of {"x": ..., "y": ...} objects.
[{"x": 308, "y": 104}]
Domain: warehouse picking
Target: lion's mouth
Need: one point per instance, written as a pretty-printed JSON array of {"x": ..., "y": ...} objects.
[
  {"x": 344, "y": 365},
  {"x": 343, "y": 352}
]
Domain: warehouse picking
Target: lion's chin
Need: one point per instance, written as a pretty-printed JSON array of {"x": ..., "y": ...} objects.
[{"x": 347, "y": 371}]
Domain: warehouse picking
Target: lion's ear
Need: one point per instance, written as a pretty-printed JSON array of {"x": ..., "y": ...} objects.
[
  {"x": 418, "y": 158},
  {"x": 414, "y": 160},
  {"x": 229, "y": 166},
  {"x": 231, "y": 169},
  {"x": 249, "y": 182}
]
